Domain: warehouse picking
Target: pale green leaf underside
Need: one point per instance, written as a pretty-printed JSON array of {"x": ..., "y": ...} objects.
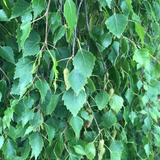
[
  {"x": 84, "y": 61},
  {"x": 116, "y": 24},
  {"x": 76, "y": 80},
  {"x": 73, "y": 101},
  {"x": 116, "y": 103}
]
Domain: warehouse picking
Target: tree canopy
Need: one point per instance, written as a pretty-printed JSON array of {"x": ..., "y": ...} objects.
[{"x": 79, "y": 79}]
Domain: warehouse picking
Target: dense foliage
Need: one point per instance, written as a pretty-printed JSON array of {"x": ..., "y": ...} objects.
[{"x": 79, "y": 79}]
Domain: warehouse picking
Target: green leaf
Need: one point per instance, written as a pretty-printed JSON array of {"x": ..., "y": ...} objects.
[
  {"x": 52, "y": 104},
  {"x": 76, "y": 123},
  {"x": 0, "y": 96},
  {"x": 129, "y": 4},
  {"x": 24, "y": 64},
  {"x": 84, "y": 61},
  {"x": 140, "y": 31},
  {"x": 36, "y": 143},
  {"x": 38, "y": 6},
  {"x": 157, "y": 140},
  {"x": 91, "y": 85},
  {"x": 102, "y": 99},
  {"x": 43, "y": 87},
  {"x": 0, "y": 125},
  {"x": 141, "y": 56},
  {"x": 27, "y": 116},
  {"x": 8, "y": 116},
  {"x": 50, "y": 132},
  {"x": 73, "y": 101},
  {"x": 116, "y": 24},
  {"x": 76, "y": 80},
  {"x": 157, "y": 70},
  {"x": 115, "y": 156},
  {"x": 1, "y": 141},
  {"x": 116, "y": 103},
  {"x": 19, "y": 8},
  {"x": 70, "y": 14},
  {"x": 90, "y": 150},
  {"x": 28, "y": 102},
  {"x": 59, "y": 34},
  {"x": 25, "y": 27},
  {"x": 6, "y": 52},
  {"x": 3, "y": 16},
  {"x": 109, "y": 119},
  {"x": 79, "y": 149},
  {"x": 129, "y": 95},
  {"x": 117, "y": 147},
  {"x": 32, "y": 46},
  {"x": 132, "y": 116},
  {"x": 26, "y": 150},
  {"x": 9, "y": 149},
  {"x": 147, "y": 149}
]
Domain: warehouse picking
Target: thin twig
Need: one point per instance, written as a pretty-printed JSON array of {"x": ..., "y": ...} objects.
[
  {"x": 6, "y": 77},
  {"x": 104, "y": 66},
  {"x": 46, "y": 32},
  {"x": 94, "y": 117},
  {"x": 75, "y": 31},
  {"x": 87, "y": 23}
]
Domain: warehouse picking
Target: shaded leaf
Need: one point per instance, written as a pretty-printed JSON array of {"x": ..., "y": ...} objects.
[
  {"x": 116, "y": 24},
  {"x": 52, "y": 104},
  {"x": 73, "y": 101},
  {"x": 50, "y": 132},
  {"x": 84, "y": 61},
  {"x": 129, "y": 4},
  {"x": 59, "y": 34}
]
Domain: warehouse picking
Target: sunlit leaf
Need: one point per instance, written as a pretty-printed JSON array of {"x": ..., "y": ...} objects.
[
  {"x": 90, "y": 150},
  {"x": 36, "y": 143},
  {"x": 76, "y": 80},
  {"x": 116, "y": 103},
  {"x": 116, "y": 24},
  {"x": 84, "y": 61},
  {"x": 73, "y": 101},
  {"x": 76, "y": 123}
]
